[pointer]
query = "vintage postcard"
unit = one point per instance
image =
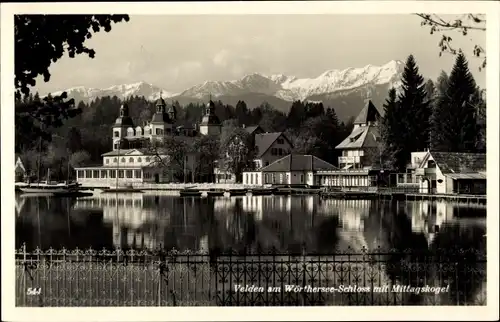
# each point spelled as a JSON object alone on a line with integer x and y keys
{"x": 249, "y": 161}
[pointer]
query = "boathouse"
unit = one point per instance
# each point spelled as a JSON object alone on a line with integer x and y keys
{"x": 293, "y": 169}
{"x": 452, "y": 173}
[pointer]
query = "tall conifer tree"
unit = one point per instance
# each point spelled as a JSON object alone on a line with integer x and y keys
{"x": 415, "y": 110}
{"x": 454, "y": 119}
{"x": 391, "y": 128}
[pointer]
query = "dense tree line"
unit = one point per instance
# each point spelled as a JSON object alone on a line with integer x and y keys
{"x": 83, "y": 138}
{"x": 448, "y": 116}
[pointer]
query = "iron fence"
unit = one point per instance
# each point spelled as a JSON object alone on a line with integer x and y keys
{"x": 161, "y": 278}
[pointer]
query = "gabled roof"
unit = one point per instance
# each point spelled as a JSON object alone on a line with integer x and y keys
{"x": 361, "y": 137}
{"x": 253, "y": 128}
{"x": 369, "y": 113}
{"x": 298, "y": 162}
{"x": 454, "y": 162}
{"x": 263, "y": 141}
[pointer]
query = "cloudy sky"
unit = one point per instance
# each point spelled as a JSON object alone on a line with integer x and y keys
{"x": 175, "y": 52}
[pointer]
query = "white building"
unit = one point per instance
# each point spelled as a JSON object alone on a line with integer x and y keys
{"x": 452, "y": 173}
{"x": 132, "y": 160}
{"x": 293, "y": 169}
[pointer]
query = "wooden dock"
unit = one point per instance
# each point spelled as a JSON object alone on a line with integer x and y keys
{"x": 397, "y": 195}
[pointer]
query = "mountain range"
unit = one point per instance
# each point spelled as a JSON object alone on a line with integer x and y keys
{"x": 344, "y": 90}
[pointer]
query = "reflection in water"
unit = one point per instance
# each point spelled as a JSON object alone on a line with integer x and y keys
{"x": 261, "y": 223}
{"x": 287, "y": 223}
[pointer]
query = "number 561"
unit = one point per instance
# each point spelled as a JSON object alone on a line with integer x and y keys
{"x": 34, "y": 291}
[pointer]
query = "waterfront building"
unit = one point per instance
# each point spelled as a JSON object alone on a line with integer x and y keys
{"x": 270, "y": 146}
{"x": 360, "y": 159}
{"x": 291, "y": 169}
{"x": 134, "y": 159}
{"x": 452, "y": 173}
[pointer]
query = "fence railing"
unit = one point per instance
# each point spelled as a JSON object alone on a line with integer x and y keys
{"x": 160, "y": 278}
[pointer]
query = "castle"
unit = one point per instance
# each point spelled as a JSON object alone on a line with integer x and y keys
{"x": 126, "y": 136}
{"x": 131, "y": 161}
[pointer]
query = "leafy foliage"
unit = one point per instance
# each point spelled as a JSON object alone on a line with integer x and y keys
{"x": 462, "y": 25}
{"x": 41, "y": 40}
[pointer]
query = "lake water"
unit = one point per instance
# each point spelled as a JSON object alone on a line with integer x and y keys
{"x": 307, "y": 224}
{"x": 287, "y": 223}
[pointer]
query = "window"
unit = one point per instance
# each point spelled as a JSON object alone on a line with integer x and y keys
{"x": 122, "y": 160}
{"x": 104, "y": 174}
{"x": 280, "y": 151}
{"x": 117, "y": 134}
{"x": 112, "y": 174}
{"x": 139, "y": 159}
{"x": 131, "y": 160}
{"x": 96, "y": 174}
{"x": 246, "y": 176}
{"x": 147, "y": 175}
{"x": 281, "y": 141}
{"x": 107, "y": 161}
{"x": 251, "y": 178}
{"x": 115, "y": 160}
{"x": 81, "y": 174}
{"x": 159, "y": 131}
{"x": 116, "y": 146}
{"x": 129, "y": 174}
{"x": 148, "y": 159}
{"x": 138, "y": 174}
{"x": 120, "y": 173}
{"x": 301, "y": 178}
{"x": 273, "y": 151}
{"x": 267, "y": 163}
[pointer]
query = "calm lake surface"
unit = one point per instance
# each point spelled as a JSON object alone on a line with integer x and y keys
{"x": 287, "y": 223}
{"x": 154, "y": 220}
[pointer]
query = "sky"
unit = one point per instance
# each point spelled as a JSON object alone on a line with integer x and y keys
{"x": 176, "y": 52}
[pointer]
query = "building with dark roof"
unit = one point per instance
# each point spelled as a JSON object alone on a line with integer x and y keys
{"x": 269, "y": 147}
{"x": 292, "y": 169}
{"x": 360, "y": 148}
{"x": 452, "y": 173}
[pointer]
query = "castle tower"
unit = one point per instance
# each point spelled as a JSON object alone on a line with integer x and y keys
{"x": 123, "y": 122}
{"x": 172, "y": 112}
{"x": 161, "y": 124}
{"x": 210, "y": 123}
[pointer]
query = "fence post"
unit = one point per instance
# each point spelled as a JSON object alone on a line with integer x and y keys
{"x": 25, "y": 268}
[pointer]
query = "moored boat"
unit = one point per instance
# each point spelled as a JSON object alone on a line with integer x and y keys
{"x": 49, "y": 188}
{"x": 215, "y": 192}
{"x": 190, "y": 193}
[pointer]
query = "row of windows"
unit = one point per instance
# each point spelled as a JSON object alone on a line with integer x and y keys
{"x": 103, "y": 174}
{"x": 138, "y": 132}
{"x": 279, "y": 152}
{"x": 353, "y": 153}
{"x": 130, "y": 160}
{"x": 345, "y": 181}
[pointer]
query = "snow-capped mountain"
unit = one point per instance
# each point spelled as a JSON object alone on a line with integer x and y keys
{"x": 285, "y": 87}
{"x": 149, "y": 92}
{"x": 291, "y": 88}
